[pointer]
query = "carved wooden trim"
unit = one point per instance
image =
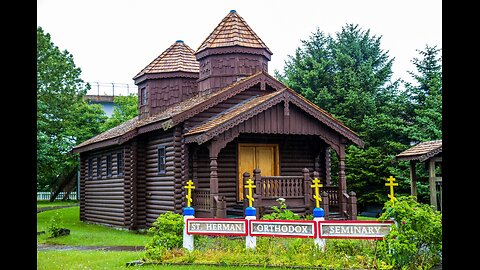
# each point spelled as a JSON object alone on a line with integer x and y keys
{"x": 327, "y": 120}
{"x": 236, "y": 120}
{"x": 231, "y": 50}
{"x": 162, "y": 75}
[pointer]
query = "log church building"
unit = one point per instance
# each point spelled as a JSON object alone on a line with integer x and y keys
{"x": 217, "y": 117}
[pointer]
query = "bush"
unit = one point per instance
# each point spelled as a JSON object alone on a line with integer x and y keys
{"x": 415, "y": 241}
{"x": 54, "y": 230}
{"x": 281, "y": 213}
{"x": 167, "y": 233}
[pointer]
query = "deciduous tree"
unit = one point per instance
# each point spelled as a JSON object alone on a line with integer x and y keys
{"x": 64, "y": 119}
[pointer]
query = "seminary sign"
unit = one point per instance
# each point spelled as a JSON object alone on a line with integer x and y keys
{"x": 366, "y": 229}
{"x": 217, "y": 226}
{"x": 283, "y": 228}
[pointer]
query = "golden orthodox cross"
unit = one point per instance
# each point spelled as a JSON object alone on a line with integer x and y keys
{"x": 189, "y": 187}
{"x": 316, "y": 185}
{"x": 250, "y": 186}
{"x": 391, "y": 185}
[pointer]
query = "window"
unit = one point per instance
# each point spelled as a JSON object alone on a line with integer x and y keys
{"x": 143, "y": 96}
{"x": 120, "y": 163}
{"x": 109, "y": 165}
{"x": 99, "y": 167}
{"x": 161, "y": 159}
{"x": 90, "y": 168}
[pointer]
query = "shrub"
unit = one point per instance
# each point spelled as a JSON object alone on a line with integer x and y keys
{"x": 167, "y": 233}
{"x": 415, "y": 241}
{"x": 281, "y": 213}
{"x": 54, "y": 230}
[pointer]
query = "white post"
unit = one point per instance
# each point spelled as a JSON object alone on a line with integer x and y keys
{"x": 250, "y": 241}
{"x": 188, "y": 212}
{"x": 318, "y": 215}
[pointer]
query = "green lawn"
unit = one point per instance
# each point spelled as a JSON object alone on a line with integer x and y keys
{"x": 41, "y": 204}
{"x": 83, "y": 234}
{"x": 74, "y": 259}
{"x": 99, "y": 235}
{"x": 365, "y": 218}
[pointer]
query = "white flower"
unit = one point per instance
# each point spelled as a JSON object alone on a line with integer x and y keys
{"x": 281, "y": 200}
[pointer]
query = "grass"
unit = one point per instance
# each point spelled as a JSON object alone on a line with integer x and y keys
{"x": 41, "y": 204}
{"x": 84, "y": 234}
{"x": 72, "y": 260}
{"x": 99, "y": 235}
{"x": 365, "y": 218}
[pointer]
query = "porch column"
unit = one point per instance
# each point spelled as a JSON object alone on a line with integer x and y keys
{"x": 213, "y": 184}
{"x": 328, "y": 174}
{"x": 413, "y": 178}
{"x": 431, "y": 178}
{"x": 218, "y": 203}
{"x": 342, "y": 179}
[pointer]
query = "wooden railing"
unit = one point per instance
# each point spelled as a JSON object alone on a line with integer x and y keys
{"x": 296, "y": 189}
{"x": 332, "y": 192}
{"x": 282, "y": 186}
{"x": 201, "y": 198}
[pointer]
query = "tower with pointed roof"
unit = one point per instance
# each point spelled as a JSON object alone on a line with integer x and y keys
{"x": 169, "y": 79}
{"x": 231, "y": 52}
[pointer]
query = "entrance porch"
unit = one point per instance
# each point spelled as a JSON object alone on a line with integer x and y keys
{"x": 282, "y": 166}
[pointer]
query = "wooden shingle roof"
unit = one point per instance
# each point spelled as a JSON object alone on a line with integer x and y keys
{"x": 421, "y": 151}
{"x": 113, "y": 133}
{"x": 179, "y": 112}
{"x": 178, "y": 57}
{"x": 232, "y": 31}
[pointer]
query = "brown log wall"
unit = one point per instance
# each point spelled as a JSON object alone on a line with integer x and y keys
{"x": 103, "y": 197}
{"x": 159, "y": 188}
{"x": 141, "y": 185}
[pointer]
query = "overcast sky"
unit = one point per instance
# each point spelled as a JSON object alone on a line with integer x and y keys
{"x": 112, "y": 40}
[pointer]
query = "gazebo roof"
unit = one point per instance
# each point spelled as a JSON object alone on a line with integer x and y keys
{"x": 421, "y": 151}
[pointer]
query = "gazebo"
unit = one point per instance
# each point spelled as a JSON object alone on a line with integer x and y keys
{"x": 431, "y": 153}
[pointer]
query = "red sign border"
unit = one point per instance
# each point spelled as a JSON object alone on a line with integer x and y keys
{"x": 219, "y": 219}
{"x": 349, "y": 222}
{"x": 283, "y": 221}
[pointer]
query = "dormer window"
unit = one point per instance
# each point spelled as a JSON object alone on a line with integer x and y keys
{"x": 143, "y": 96}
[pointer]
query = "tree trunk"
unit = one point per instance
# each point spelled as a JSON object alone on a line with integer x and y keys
{"x": 64, "y": 180}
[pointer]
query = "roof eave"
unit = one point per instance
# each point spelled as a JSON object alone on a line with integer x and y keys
{"x": 97, "y": 145}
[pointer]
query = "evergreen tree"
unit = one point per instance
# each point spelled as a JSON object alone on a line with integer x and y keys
{"x": 349, "y": 75}
{"x": 425, "y": 112}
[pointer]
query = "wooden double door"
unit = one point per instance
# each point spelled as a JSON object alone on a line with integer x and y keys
{"x": 251, "y": 156}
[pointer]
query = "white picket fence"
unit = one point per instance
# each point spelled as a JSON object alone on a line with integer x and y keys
{"x": 42, "y": 196}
